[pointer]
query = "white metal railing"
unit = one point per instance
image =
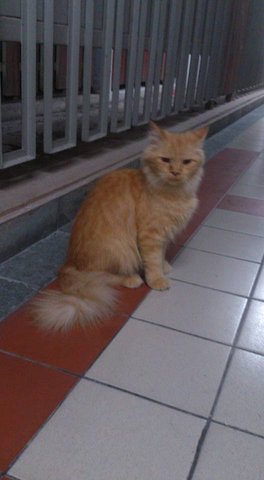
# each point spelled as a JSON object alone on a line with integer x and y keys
{"x": 151, "y": 58}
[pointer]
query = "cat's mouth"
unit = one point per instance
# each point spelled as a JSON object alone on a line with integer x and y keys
{"x": 175, "y": 177}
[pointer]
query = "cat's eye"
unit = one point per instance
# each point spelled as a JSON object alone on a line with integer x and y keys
{"x": 165, "y": 159}
{"x": 187, "y": 161}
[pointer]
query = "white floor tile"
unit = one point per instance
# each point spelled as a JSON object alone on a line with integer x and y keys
{"x": 249, "y": 191}
{"x": 251, "y": 179}
{"x": 163, "y": 365}
{"x": 252, "y": 334}
{"x": 233, "y": 244}
{"x": 259, "y": 289}
{"x": 236, "y": 222}
{"x": 210, "y": 270}
{"x": 230, "y": 455}
{"x": 102, "y": 434}
{"x": 241, "y": 401}
{"x": 246, "y": 144}
{"x": 193, "y": 309}
{"x": 258, "y": 166}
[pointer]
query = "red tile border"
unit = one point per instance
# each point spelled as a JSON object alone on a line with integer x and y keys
{"x": 29, "y": 394}
{"x": 239, "y": 204}
{"x": 75, "y": 351}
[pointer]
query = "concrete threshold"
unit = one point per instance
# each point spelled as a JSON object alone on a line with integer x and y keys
{"x": 39, "y": 197}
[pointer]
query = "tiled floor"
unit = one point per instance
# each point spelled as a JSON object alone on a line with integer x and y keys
{"x": 172, "y": 386}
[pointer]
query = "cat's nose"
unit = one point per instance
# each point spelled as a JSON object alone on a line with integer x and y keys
{"x": 176, "y": 174}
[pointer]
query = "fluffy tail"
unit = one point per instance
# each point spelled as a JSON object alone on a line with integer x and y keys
{"x": 85, "y": 298}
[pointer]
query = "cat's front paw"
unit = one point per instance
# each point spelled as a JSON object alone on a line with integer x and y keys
{"x": 167, "y": 268}
{"x": 158, "y": 283}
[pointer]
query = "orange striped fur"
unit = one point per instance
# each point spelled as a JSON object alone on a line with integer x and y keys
{"x": 121, "y": 232}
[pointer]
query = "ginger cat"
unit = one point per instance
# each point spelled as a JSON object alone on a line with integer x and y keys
{"x": 123, "y": 228}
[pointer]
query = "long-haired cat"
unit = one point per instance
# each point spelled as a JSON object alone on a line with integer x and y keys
{"x": 122, "y": 230}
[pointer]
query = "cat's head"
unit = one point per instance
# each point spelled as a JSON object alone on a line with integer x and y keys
{"x": 173, "y": 158}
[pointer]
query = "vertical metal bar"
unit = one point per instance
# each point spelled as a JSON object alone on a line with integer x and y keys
{"x": 220, "y": 59}
{"x": 109, "y": 14}
{"x": 87, "y": 68}
{"x": 205, "y": 52}
{"x": 73, "y": 71}
{"x": 74, "y": 9}
{"x": 159, "y": 58}
{"x": 217, "y": 32}
{"x": 48, "y": 73}
{"x": 235, "y": 45}
{"x": 151, "y": 62}
{"x": 130, "y": 64}
{"x": 175, "y": 14}
{"x": 196, "y": 48}
{"x": 28, "y": 66}
{"x": 119, "y": 24}
{"x": 1, "y": 144}
{"x": 132, "y": 52}
{"x": 28, "y": 87}
{"x": 140, "y": 58}
{"x": 184, "y": 52}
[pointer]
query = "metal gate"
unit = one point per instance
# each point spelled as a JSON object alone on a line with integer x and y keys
{"x": 78, "y": 69}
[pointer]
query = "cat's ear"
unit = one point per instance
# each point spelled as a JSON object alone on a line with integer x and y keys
{"x": 200, "y": 134}
{"x": 156, "y": 134}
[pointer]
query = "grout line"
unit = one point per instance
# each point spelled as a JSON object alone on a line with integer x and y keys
{"x": 248, "y": 350}
{"x": 210, "y": 288}
{"x": 198, "y": 450}
{"x": 177, "y": 330}
{"x": 234, "y": 231}
{"x": 39, "y": 363}
{"x": 144, "y": 397}
{"x": 172, "y": 407}
{"x": 20, "y": 282}
{"x": 222, "y": 254}
{"x": 226, "y": 292}
{"x": 212, "y": 340}
{"x": 237, "y": 429}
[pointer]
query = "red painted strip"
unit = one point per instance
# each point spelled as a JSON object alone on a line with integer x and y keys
{"x": 236, "y": 203}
